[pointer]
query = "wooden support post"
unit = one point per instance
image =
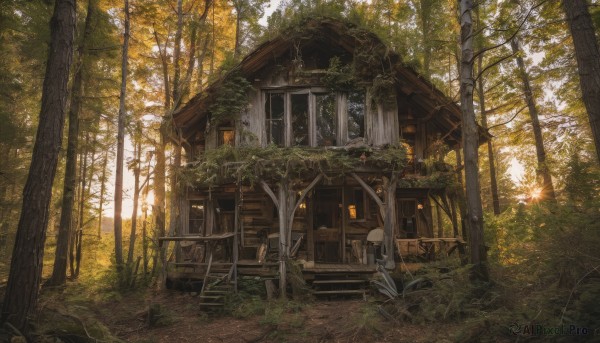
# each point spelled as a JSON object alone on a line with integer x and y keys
{"x": 389, "y": 220}
{"x": 310, "y": 230}
{"x": 282, "y": 238}
{"x": 343, "y": 240}
{"x": 235, "y": 250}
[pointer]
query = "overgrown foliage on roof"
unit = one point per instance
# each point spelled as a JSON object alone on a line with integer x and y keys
{"x": 231, "y": 100}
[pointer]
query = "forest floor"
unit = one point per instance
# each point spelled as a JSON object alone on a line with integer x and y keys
{"x": 323, "y": 321}
{"x": 72, "y": 315}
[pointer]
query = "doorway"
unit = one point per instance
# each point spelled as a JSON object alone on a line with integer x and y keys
{"x": 327, "y": 225}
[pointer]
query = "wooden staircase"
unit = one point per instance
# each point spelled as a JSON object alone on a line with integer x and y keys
{"x": 214, "y": 292}
{"x": 340, "y": 285}
{"x": 218, "y": 282}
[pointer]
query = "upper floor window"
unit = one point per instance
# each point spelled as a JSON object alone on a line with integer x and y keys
{"x": 313, "y": 117}
{"x": 275, "y": 110}
{"x": 356, "y": 115}
{"x": 300, "y": 119}
{"x": 326, "y": 120}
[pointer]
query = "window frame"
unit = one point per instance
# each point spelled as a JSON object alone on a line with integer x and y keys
{"x": 269, "y": 122}
{"x": 340, "y": 103}
{"x": 220, "y": 138}
{"x": 351, "y": 200}
{"x": 189, "y": 219}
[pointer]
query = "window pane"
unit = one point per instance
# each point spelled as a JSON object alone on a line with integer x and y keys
{"x": 326, "y": 119}
{"x": 300, "y": 119}
{"x": 356, "y": 115}
{"x": 274, "y": 108}
{"x": 226, "y": 137}
{"x": 359, "y": 200}
{"x": 356, "y": 204}
{"x": 196, "y": 223}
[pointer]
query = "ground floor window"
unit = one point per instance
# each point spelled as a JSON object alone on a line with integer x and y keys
{"x": 196, "y": 217}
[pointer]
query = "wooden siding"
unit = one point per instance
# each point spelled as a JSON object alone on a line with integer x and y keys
{"x": 381, "y": 122}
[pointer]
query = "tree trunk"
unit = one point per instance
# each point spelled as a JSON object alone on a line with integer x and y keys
{"x": 238, "y": 19}
{"x": 78, "y": 234}
{"x": 144, "y": 231}
{"x": 201, "y": 63}
{"x": 460, "y": 196}
{"x": 194, "y": 41}
{"x": 137, "y": 152}
{"x": 588, "y": 61}
{"x": 102, "y": 190}
{"x": 59, "y": 271}
{"x": 542, "y": 170}
{"x": 174, "y": 218}
{"x": 158, "y": 210}
{"x": 26, "y": 265}
{"x": 425, "y": 21}
{"x": 484, "y": 123}
{"x": 470, "y": 140}
{"x": 176, "y": 56}
{"x": 120, "y": 143}
{"x": 177, "y": 87}
{"x": 212, "y": 45}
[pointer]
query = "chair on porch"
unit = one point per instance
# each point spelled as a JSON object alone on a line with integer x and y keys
{"x": 374, "y": 241}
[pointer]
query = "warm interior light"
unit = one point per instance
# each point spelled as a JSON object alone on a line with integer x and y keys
{"x": 301, "y": 209}
{"x": 228, "y": 137}
{"x": 420, "y": 206}
{"x": 352, "y": 211}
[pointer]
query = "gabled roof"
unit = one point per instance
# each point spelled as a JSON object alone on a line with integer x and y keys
{"x": 343, "y": 36}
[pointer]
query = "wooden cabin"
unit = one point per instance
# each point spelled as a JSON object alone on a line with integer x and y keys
{"x": 320, "y": 147}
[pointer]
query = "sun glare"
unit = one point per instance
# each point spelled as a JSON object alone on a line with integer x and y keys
{"x": 536, "y": 193}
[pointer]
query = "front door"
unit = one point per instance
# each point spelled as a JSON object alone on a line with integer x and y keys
{"x": 326, "y": 225}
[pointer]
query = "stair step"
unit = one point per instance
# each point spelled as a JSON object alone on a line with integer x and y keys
{"x": 211, "y": 297}
{"x": 211, "y": 304}
{"x": 343, "y": 291}
{"x": 215, "y": 291}
{"x": 220, "y": 286}
{"x": 322, "y": 282}
{"x": 217, "y": 275}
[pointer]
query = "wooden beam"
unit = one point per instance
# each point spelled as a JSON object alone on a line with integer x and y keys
{"x": 270, "y": 193}
{"x": 302, "y": 196}
{"x": 371, "y": 192}
{"x": 368, "y": 188}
